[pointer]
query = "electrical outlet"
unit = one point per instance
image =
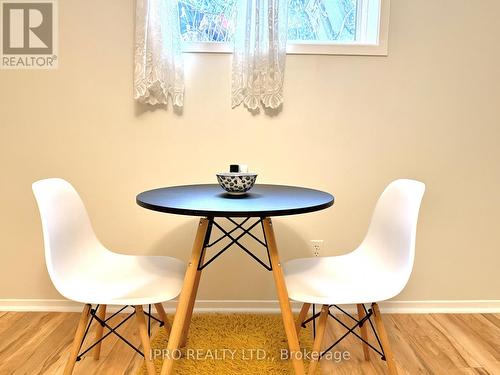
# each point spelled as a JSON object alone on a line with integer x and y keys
{"x": 316, "y": 246}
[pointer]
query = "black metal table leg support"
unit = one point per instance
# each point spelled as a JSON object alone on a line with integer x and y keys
{"x": 234, "y": 240}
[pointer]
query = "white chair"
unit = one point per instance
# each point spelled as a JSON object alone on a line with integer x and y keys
{"x": 377, "y": 270}
{"x": 83, "y": 270}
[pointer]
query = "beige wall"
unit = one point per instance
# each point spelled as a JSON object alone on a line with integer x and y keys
{"x": 430, "y": 111}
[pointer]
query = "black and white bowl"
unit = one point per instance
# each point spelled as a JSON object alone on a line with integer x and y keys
{"x": 236, "y": 183}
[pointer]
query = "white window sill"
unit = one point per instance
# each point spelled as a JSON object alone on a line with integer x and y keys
{"x": 299, "y": 48}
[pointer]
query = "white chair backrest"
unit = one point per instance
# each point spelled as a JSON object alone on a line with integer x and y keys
{"x": 69, "y": 240}
{"x": 390, "y": 240}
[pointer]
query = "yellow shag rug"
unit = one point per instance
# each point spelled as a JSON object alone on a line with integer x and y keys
{"x": 240, "y": 344}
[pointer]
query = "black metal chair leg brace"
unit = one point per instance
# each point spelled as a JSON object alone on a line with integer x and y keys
{"x": 350, "y": 330}
{"x": 113, "y": 330}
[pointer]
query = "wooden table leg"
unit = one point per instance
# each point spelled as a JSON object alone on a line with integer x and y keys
{"x": 184, "y": 300}
{"x": 286, "y": 310}
{"x": 192, "y": 301}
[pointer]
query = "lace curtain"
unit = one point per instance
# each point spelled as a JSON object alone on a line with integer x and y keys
{"x": 158, "y": 58}
{"x": 259, "y": 53}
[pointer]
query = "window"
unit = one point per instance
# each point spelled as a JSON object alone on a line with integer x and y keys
{"x": 206, "y": 20}
{"x": 314, "y": 26}
{"x": 322, "y": 21}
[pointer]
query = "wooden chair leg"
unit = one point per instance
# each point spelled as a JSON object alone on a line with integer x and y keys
{"x": 364, "y": 331}
{"x": 146, "y": 344}
{"x": 389, "y": 356}
{"x": 101, "y": 314}
{"x": 80, "y": 332}
{"x": 320, "y": 333}
{"x": 302, "y": 316}
{"x": 163, "y": 317}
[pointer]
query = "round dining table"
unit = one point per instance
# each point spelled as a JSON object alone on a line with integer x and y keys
{"x": 244, "y": 213}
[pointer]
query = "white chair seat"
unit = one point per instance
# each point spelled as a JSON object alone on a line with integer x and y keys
{"x": 333, "y": 281}
{"x": 118, "y": 279}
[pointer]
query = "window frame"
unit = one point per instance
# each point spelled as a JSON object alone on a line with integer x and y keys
{"x": 378, "y": 46}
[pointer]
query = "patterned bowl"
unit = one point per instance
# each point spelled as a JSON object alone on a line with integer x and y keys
{"x": 236, "y": 183}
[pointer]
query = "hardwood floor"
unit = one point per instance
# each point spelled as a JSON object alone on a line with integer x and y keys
{"x": 428, "y": 344}
{"x": 39, "y": 343}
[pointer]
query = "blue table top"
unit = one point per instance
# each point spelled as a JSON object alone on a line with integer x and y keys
{"x": 210, "y": 200}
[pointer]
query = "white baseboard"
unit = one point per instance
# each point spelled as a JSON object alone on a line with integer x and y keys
{"x": 268, "y": 306}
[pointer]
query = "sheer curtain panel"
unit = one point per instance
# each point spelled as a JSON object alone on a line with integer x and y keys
{"x": 159, "y": 68}
{"x": 259, "y": 53}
